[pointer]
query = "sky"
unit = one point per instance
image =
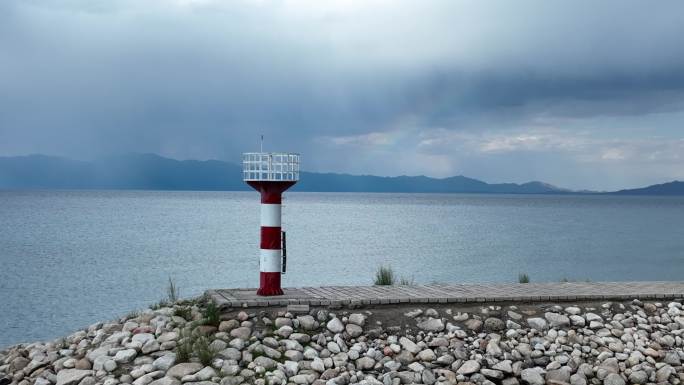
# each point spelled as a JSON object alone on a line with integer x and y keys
{"x": 579, "y": 94}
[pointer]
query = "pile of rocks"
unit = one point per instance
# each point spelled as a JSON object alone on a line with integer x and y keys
{"x": 611, "y": 343}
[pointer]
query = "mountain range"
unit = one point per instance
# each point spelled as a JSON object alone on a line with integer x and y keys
{"x": 153, "y": 172}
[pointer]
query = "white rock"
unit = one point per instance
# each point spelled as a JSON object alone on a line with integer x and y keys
{"x": 613, "y": 379}
{"x": 126, "y": 355}
{"x": 365, "y": 363}
{"x": 469, "y": 367}
{"x": 427, "y": 355}
{"x": 537, "y": 323}
{"x": 532, "y": 376}
{"x": 353, "y": 330}
{"x": 42, "y": 381}
{"x": 333, "y": 347}
{"x": 166, "y": 381}
{"x": 307, "y": 322}
{"x": 318, "y": 365}
{"x": 335, "y": 325}
{"x": 265, "y": 362}
{"x": 577, "y": 320}
{"x": 357, "y": 319}
{"x": 72, "y": 376}
{"x": 183, "y": 369}
{"x": 432, "y": 325}
{"x": 142, "y": 338}
{"x": 573, "y": 310}
{"x": 284, "y": 331}
{"x": 409, "y": 345}
{"x": 165, "y": 362}
{"x": 557, "y": 320}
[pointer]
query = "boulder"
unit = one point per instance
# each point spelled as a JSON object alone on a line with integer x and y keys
{"x": 469, "y": 367}
{"x": 557, "y": 320}
{"x": 72, "y": 376}
{"x": 180, "y": 370}
{"x": 335, "y": 325}
{"x": 537, "y": 323}
{"x": 432, "y": 325}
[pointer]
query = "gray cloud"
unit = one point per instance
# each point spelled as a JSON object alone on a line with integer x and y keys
{"x": 350, "y": 83}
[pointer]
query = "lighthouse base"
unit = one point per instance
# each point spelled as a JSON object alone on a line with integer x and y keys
{"x": 269, "y": 284}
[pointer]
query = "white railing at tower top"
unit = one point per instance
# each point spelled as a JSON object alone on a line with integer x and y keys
{"x": 270, "y": 166}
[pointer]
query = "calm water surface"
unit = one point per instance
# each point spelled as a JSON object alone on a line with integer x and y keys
{"x": 70, "y": 258}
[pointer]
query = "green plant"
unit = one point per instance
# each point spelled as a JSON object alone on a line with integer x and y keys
{"x": 407, "y": 281}
{"x": 565, "y": 280}
{"x": 523, "y": 278}
{"x": 172, "y": 292}
{"x": 184, "y": 346}
{"x": 184, "y": 312}
{"x": 203, "y": 350}
{"x": 212, "y": 315}
{"x": 384, "y": 276}
{"x": 132, "y": 314}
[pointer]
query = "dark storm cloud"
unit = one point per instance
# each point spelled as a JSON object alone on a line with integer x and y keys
{"x": 202, "y": 79}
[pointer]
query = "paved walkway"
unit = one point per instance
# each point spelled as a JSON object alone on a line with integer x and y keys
{"x": 376, "y": 295}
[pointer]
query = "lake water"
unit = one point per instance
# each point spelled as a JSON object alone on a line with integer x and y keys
{"x": 71, "y": 258}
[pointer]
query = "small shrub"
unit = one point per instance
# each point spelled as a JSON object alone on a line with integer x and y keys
{"x": 565, "y": 280}
{"x": 159, "y": 305}
{"x": 407, "y": 281}
{"x": 523, "y": 278}
{"x": 132, "y": 314}
{"x": 184, "y": 312}
{"x": 212, "y": 315}
{"x": 384, "y": 276}
{"x": 203, "y": 350}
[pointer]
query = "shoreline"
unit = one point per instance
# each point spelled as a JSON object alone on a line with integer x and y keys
{"x": 195, "y": 343}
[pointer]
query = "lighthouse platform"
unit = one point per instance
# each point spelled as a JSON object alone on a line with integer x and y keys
{"x": 358, "y": 296}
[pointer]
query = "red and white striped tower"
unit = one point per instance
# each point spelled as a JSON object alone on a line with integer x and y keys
{"x": 270, "y": 174}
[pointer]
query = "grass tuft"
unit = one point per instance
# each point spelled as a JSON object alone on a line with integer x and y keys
{"x": 184, "y": 346}
{"x": 523, "y": 278}
{"x": 212, "y": 315}
{"x": 172, "y": 292}
{"x": 172, "y": 296}
{"x": 132, "y": 314}
{"x": 384, "y": 276}
{"x": 203, "y": 350}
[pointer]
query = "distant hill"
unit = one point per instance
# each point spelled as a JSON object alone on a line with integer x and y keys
{"x": 672, "y": 188}
{"x": 153, "y": 172}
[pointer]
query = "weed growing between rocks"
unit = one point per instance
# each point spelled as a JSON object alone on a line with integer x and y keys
{"x": 523, "y": 278}
{"x": 183, "y": 312}
{"x": 172, "y": 296}
{"x": 172, "y": 292}
{"x": 184, "y": 346}
{"x": 212, "y": 315}
{"x": 203, "y": 351}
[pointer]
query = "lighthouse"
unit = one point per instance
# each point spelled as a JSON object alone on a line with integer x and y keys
{"x": 270, "y": 173}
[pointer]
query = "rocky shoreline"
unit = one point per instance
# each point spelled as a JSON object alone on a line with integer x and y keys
{"x": 610, "y": 343}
